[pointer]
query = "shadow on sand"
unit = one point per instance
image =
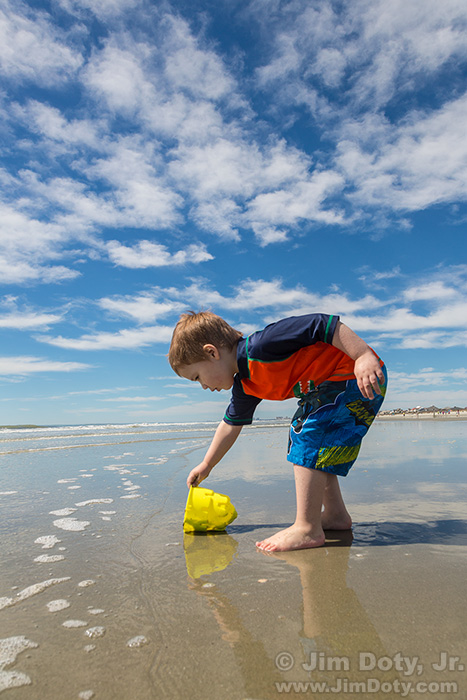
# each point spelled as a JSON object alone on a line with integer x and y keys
{"x": 447, "y": 532}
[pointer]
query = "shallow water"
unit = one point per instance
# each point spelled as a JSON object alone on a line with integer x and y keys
{"x": 153, "y": 613}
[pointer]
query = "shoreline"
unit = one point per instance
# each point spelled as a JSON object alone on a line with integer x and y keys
{"x": 423, "y": 416}
{"x": 257, "y": 423}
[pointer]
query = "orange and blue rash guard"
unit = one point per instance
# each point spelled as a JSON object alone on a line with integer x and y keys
{"x": 288, "y": 358}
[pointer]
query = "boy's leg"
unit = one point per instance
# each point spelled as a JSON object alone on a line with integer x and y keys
{"x": 306, "y": 531}
{"x": 335, "y": 515}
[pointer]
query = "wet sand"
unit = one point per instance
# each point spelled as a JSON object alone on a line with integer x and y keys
{"x": 371, "y": 614}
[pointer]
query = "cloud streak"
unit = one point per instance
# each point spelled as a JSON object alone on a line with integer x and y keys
{"x": 125, "y": 339}
{"x": 147, "y": 254}
{"x": 21, "y": 365}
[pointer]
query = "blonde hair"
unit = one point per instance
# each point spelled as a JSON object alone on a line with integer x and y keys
{"x": 193, "y": 331}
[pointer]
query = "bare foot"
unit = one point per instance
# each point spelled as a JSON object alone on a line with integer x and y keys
{"x": 292, "y": 537}
{"x": 336, "y": 522}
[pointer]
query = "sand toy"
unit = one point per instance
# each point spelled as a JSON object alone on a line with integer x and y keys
{"x": 206, "y": 510}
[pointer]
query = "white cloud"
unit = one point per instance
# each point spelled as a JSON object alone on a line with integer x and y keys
{"x": 124, "y": 339}
{"x": 411, "y": 166}
{"x": 401, "y": 381}
{"x": 303, "y": 201}
{"x": 330, "y": 65}
{"x": 222, "y": 167}
{"x": 133, "y": 399}
{"x": 134, "y": 195}
{"x": 104, "y": 9}
{"x": 136, "y": 191}
{"x": 269, "y": 234}
{"x": 26, "y": 245}
{"x": 20, "y": 271}
{"x": 51, "y": 123}
{"x": 376, "y": 279}
{"x": 430, "y": 291}
{"x": 434, "y": 339}
{"x": 377, "y": 46}
{"x": 31, "y": 48}
{"x": 22, "y": 234}
{"x": 404, "y": 319}
{"x": 26, "y": 318}
{"x": 116, "y": 75}
{"x": 26, "y": 321}
{"x": 271, "y": 296}
{"x": 273, "y": 185}
{"x": 147, "y": 254}
{"x": 188, "y": 67}
{"x": 220, "y": 216}
{"x": 113, "y": 390}
{"x": 76, "y": 210}
{"x": 23, "y": 365}
{"x": 143, "y": 308}
{"x": 404, "y": 40}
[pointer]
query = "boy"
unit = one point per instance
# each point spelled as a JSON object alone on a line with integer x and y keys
{"x": 339, "y": 381}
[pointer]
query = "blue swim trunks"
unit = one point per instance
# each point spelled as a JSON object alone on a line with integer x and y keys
{"x": 329, "y": 425}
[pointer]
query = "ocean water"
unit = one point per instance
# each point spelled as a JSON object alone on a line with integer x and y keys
{"x": 102, "y": 595}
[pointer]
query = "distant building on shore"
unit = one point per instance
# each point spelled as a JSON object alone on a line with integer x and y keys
{"x": 434, "y": 410}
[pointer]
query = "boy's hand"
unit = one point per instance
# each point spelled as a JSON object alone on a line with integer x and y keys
{"x": 198, "y": 474}
{"x": 368, "y": 374}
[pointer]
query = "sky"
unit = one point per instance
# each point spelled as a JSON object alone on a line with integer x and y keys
{"x": 257, "y": 158}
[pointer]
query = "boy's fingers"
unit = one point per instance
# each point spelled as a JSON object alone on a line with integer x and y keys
{"x": 366, "y": 388}
{"x": 192, "y": 479}
{"x": 373, "y": 384}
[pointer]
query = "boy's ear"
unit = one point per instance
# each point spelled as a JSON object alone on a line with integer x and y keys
{"x": 211, "y": 351}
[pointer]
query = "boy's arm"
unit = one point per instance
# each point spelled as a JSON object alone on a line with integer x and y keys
{"x": 367, "y": 369}
{"x": 222, "y": 441}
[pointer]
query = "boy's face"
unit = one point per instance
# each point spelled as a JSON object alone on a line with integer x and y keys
{"x": 214, "y": 373}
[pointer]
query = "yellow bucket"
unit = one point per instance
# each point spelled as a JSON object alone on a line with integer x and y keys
{"x": 206, "y": 510}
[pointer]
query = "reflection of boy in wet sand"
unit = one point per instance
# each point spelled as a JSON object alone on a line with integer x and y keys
{"x": 336, "y": 626}
{"x": 331, "y": 370}
{"x": 253, "y": 663}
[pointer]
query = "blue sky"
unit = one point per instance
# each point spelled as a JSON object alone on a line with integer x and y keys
{"x": 260, "y": 159}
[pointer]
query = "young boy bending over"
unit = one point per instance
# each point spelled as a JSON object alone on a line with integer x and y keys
{"x": 337, "y": 378}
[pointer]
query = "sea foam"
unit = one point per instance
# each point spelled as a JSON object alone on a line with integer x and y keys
{"x": 30, "y": 591}
{"x": 10, "y": 648}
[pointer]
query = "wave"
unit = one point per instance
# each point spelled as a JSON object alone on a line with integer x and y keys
{"x": 19, "y": 429}
{"x": 15, "y": 440}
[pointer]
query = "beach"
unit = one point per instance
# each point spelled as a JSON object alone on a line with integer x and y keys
{"x": 102, "y": 595}
{"x": 426, "y": 415}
